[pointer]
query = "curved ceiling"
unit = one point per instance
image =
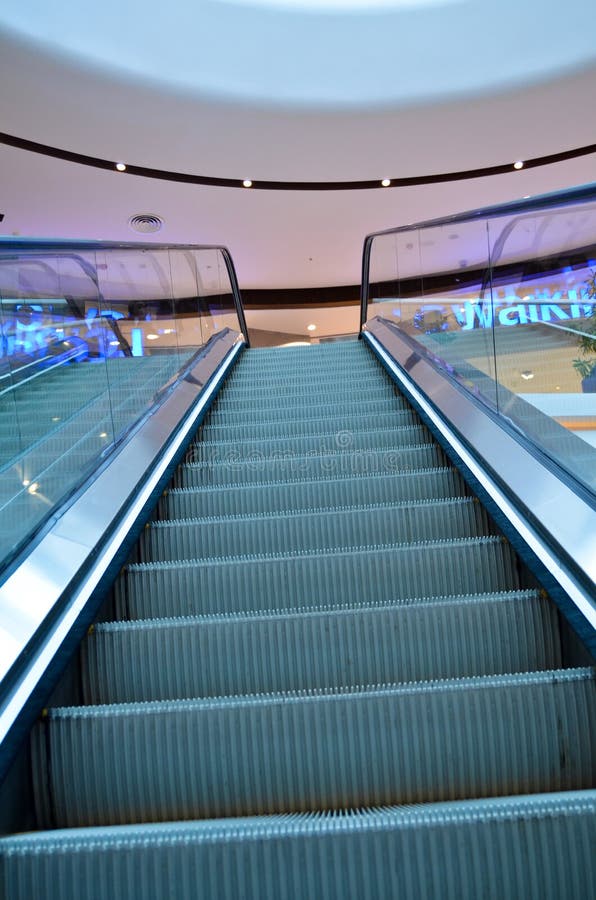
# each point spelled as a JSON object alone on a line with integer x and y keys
{"x": 330, "y": 56}
{"x": 263, "y": 90}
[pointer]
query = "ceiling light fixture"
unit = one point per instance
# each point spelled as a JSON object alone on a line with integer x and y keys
{"x": 120, "y": 167}
{"x": 247, "y": 183}
{"x": 518, "y": 165}
{"x": 311, "y": 327}
{"x": 187, "y": 178}
{"x": 146, "y": 223}
{"x": 386, "y": 182}
{"x": 152, "y": 337}
{"x": 527, "y": 376}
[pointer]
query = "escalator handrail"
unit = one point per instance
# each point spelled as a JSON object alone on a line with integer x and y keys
{"x": 570, "y": 197}
{"x": 549, "y": 521}
{"x": 71, "y": 249}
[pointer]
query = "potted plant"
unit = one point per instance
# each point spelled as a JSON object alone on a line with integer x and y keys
{"x": 585, "y": 364}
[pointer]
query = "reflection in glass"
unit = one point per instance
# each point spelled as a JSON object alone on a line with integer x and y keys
{"x": 46, "y": 415}
{"x": 505, "y": 303}
{"x": 89, "y": 341}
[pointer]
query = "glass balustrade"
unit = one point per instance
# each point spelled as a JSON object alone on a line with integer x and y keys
{"x": 504, "y": 301}
{"x": 91, "y": 336}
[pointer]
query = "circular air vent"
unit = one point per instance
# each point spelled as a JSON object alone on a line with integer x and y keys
{"x": 145, "y": 223}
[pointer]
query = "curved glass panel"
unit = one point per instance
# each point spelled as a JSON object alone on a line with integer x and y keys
{"x": 90, "y": 338}
{"x": 504, "y": 301}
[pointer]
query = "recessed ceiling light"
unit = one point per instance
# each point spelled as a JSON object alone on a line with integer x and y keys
{"x": 526, "y": 197}
{"x": 114, "y": 343}
{"x": 33, "y": 488}
{"x": 247, "y": 183}
{"x": 26, "y": 482}
{"x": 121, "y": 167}
{"x": 386, "y": 182}
{"x": 527, "y": 376}
{"x": 152, "y": 337}
{"x": 311, "y": 327}
{"x": 518, "y": 165}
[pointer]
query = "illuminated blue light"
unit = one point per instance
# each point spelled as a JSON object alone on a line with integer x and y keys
{"x": 481, "y": 315}
{"x": 136, "y": 341}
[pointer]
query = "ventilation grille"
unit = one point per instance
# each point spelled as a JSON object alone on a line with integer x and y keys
{"x": 145, "y": 223}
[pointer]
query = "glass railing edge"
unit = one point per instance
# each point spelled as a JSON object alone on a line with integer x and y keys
{"x": 73, "y": 556}
{"x": 555, "y": 519}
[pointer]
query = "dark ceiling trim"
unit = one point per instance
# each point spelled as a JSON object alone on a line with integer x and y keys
{"x": 294, "y": 298}
{"x": 164, "y": 175}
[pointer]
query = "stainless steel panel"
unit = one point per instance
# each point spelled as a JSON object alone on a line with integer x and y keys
{"x": 39, "y": 587}
{"x": 525, "y": 490}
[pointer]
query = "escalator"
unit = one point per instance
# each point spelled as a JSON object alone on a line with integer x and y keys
{"x": 323, "y": 672}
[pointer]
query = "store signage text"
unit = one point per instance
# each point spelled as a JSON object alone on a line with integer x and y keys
{"x": 481, "y": 315}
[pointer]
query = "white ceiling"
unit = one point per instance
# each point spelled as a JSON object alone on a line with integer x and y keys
{"x": 231, "y": 89}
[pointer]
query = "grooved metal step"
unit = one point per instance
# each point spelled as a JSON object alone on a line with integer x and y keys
{"x": 519, "y": 848}
{"x": 226, "y": 468}
{"x": 310, "y": 649}
{"x": 320, "y": 530}
{"x": 242, "y": 756}
{"x": 321, "y": 407}
{"x": 211, "y": 431}
{"x": 342, "y": 575}
{"x": 341, "y": 441}
{"x": 282, "y": 496}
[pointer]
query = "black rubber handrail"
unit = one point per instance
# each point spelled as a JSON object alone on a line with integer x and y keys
{"x": 568, "y": 197}
{"x": 71, "y": 249}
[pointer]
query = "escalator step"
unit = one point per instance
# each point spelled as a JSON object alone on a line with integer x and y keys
{"x": 250, "y": 498}
{"x": 213, "y": 431}
{"x": 358, "y": 370}
{"x": 346, "y": 575}
{"x": 316, "y": 409}
{"x": 422, "y": 742}
{"x": 167, "y": 659}
{"x": 519, "y": 848}
{"x": 301, "y": 394}
{"x": 222, "y": 470}
{"x": 350, "y": 527}
{"x": 342, "y": 441}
